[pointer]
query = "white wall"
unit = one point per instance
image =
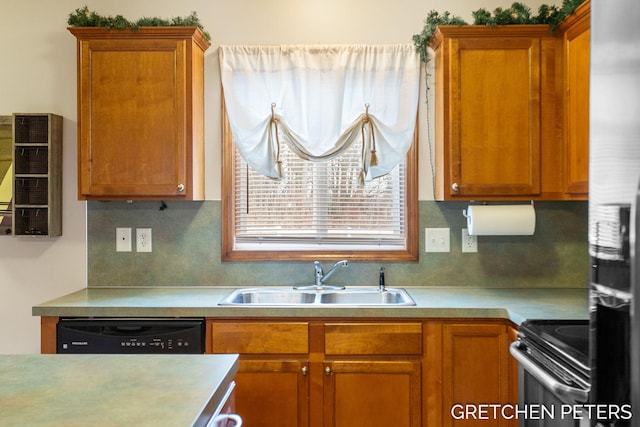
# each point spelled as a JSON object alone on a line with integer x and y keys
{"x": 38, "y": 74}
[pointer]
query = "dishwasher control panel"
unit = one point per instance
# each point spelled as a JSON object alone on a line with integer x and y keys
{"x": 130, "y": 336}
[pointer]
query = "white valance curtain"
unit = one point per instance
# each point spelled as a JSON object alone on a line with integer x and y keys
{"x": 319, "y": 100}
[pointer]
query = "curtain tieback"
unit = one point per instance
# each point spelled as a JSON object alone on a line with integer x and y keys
{"x": 366, "y": 120}
{"x": 373, "y": 159}
{"x": 366, "y": 123}
{"x": 273, "y": 127}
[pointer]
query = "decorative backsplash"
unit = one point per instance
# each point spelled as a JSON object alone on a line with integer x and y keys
{"x": 186, "y": 251}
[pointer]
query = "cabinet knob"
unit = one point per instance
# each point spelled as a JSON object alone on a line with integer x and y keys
{"x": 455, "y": 186}
{"x": 327, "y": 370}
{"x": 305, "y": 370}
{"x": 181, "y": 187}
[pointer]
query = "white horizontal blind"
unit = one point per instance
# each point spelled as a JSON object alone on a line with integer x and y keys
{"x": 319, "y": 206}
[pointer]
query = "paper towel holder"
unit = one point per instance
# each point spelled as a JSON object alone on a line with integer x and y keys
{"x": 501, "y": 219}
{"x": 464, "y": 211}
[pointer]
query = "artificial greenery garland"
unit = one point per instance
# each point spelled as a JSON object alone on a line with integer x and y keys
{"x": 83, "y": 17}
{"x": 518, "y": 13}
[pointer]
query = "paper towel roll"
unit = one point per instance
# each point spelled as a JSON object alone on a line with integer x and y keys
{"x": 501, "y": 220}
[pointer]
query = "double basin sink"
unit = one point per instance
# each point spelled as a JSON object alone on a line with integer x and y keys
{"x": 291, "y": 297}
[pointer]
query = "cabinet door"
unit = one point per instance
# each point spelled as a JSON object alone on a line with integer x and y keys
{"x": 372, "y": 393}
{"x": 495, "y": 146}
{"x": 273, "y": 376}
{"x": 475, "y": 370}
{"x": 488, "y": 110}
{"x": 132, "y": 133}
{"x": 273, "y": 392}
{"x": 577, "y": 60}
{"x": 372, "y": 374}
{"x": 133, "y": 118}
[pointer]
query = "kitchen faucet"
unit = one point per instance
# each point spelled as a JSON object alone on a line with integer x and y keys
{"x": 321, "y": 278}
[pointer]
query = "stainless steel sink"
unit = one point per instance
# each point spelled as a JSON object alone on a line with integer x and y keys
{"x": 388, "y": 297}
{"x": 262, "y": 296}
{"x": 289, "y": 297}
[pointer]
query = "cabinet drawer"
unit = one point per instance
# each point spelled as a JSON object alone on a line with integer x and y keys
{"x": 260, "y": 337}
{"x": 373, "y": 338}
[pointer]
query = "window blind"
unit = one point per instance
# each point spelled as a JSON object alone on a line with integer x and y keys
{"x": 319, "y": 205}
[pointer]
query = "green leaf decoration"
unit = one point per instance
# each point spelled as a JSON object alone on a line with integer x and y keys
{"x": 83, "y": 17}
{"x": 518, "y": 13}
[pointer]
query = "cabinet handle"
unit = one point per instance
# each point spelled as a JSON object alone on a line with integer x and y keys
{"x": 327, "y": 370}
{"x": 455, "y": 186}
{"x": 180, "y": 188}
{"x": 305, "y": 370}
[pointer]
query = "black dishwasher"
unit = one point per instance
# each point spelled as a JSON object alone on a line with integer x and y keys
{"x": 130, "y": 336}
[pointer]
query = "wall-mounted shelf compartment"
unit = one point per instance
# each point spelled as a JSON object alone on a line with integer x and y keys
{"x": 37, "y": 175}
{"x": 6, "y": 173}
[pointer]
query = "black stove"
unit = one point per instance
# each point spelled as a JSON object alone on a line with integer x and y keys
{"x": 553, "y": 363}
{"x": 564, "y": 340}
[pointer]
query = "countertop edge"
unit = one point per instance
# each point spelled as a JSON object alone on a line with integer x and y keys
{"x": 218, "y": 394}
{"x": 514, "y": 304}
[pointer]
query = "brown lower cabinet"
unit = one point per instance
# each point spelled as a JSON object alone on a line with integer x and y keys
{"x": 273, "y": 390}
{"x": 471, "y": 369}
{"x": 367, "y": 372}
{"x": 274, "y": 373}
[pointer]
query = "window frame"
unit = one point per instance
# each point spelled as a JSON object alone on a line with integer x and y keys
{"x": 230, "y": 253}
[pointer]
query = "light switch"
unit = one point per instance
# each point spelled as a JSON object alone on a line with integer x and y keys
{"x": 437, "y": 240}
{"x": 123, "y": 239}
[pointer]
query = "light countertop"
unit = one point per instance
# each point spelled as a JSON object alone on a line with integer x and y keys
{"x": 515, "y": 304}
{"x": 112, "y": 390}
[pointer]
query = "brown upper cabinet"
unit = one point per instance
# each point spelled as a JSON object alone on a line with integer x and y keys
{"x": 140, "y": 113}
{"x": 576, "y": 33}
{"x": 499, "y": 106}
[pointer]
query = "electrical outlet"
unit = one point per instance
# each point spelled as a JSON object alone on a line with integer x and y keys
{"x": 437, "y": 240}
{"x": 123, "y": 239}
{"x": 143, "y": 240}
{"x": 469, "y": 242}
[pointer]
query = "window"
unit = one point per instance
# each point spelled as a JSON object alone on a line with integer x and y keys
{"x": 319, "y": 210}
{"x": 319, "y": 152}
